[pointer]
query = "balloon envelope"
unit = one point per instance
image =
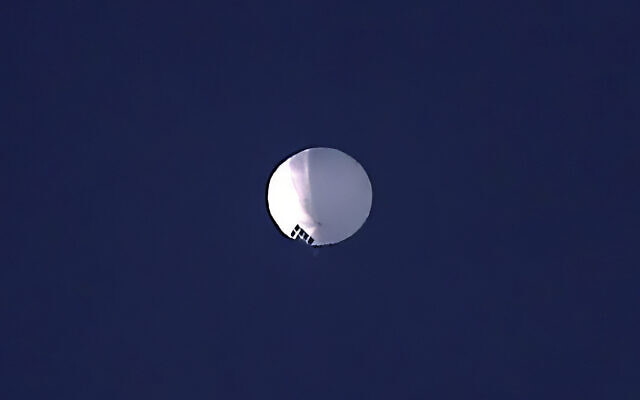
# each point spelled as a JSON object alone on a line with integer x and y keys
{"x": 320, "y": 195}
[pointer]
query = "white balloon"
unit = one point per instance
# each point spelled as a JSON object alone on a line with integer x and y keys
{"x": 320, "y": 195}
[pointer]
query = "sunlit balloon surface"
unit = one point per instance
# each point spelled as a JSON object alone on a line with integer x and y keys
{"x": 320, "y": 195}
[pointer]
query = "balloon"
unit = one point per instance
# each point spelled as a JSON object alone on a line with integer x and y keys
{"x": 320, "y": 195}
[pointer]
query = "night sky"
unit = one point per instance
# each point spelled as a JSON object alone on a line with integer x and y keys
{"x": 500, "y": 259}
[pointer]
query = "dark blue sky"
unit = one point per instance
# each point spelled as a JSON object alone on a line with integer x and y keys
{"x": 500, "y": 260}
